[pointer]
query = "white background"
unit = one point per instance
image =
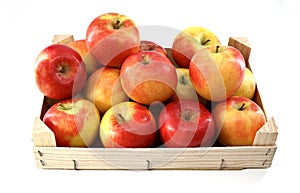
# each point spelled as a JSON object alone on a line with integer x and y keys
{"x": 27, "y": 26}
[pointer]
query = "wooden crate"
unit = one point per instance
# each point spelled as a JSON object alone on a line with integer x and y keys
{"x": 259, "y": 155}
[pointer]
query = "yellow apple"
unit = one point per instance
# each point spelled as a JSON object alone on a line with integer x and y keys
{"x": 247, "y": 89}
{"x": 184, "y": 88}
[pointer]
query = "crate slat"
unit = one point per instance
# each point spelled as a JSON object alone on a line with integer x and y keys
{"x": 155, "y": 158}
{"x": 62, "y": 39}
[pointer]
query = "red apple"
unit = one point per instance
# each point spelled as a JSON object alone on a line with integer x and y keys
{"x": 148, "y": 76}
{"x": 189, "y": 41}
{"x": 146, "y": 45}
{"x": 128, "y": 124}
{"x": 217, "y": 72}
{"x": 112, "y": 37}
{"x": 75, "y": 122}
{"x": 247, "y": 89}
{"x": 238, "y": 119}
{"x": 60, "y": 72}
{"x": 104, "y": 89}
{"x": 186, "y": 123}
{"x": 90, "y": 63}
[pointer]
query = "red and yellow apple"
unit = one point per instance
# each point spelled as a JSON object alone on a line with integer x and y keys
{"x": 146, "y": 45}
{"x": 247, "y": 89}
{"x": 128, "y": 125}
{"x": 237, "y": 120}
{"x": 148, "y": 76}
{"x": 74, "y": 122}
{"x": 104, "y": 89}
{"x": 111, "y": 37}
{"x": 189, "y": 41}
{"x": 90, "y": 63}
{"x": 186, "y": 123}
{"x": 60, "y": 72}
{"x": 217, "y": 72}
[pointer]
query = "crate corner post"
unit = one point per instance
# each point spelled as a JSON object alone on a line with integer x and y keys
{"x": 267, "y": 135}
{"x": 42, "y": 135}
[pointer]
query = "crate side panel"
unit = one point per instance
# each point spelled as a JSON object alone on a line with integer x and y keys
{"x": 155, "y": 158}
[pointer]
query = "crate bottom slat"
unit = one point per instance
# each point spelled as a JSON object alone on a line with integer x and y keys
{"x": 154, "y": 158}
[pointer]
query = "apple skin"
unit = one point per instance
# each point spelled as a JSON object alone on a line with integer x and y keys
{"x": 247, "y": 89}
{"x": 104, "y": 89}
{"x": 217, "y": 72}
{"x": 59, "y": 72}
{"x": 148, "y": 76}
{"x": 185, "y": 89}
{"x": 238, "y": 119}
{"x": 75, "y": 122}
{"x": 189, "y": 41}
{"x": 186, "y": 123}
{"x": 128, "y": 125}
{"x": 90, "y": 63}
{"x": 111, "y": 37}
{"x": 146, "y": 45}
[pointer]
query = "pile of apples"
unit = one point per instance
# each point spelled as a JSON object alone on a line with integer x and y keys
{"x": 133, "y": 93}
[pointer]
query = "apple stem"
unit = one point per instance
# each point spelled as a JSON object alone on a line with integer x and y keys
{"x": 120, "y": 118}
{"x": 206, "y": 42}
{"x": 217, "y": 48}
{"x": 65, "y": 107}
{"x": 145, "y": 59}
{"x": 183, "y": 80}
{"x": 117, "y": 24}
{"x": 187, "y": 115}
{"x": 242, "y": 107}
{"x": 61, "y": 69}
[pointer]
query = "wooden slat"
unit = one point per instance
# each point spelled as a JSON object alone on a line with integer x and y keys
{"x": 62, "y": 39}
{"x": 267, "y": 135}
{"x": 155, "y": 158}
{"x": 243, "y": 45}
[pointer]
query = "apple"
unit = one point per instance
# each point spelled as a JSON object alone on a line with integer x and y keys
{"x": 146, "y": 45}
{"x": 90, "y": 63}
{"x": 238, "y": 119}
{"x": 74, "y": 122}
{"x": 128, "y": 125}
{"x": 60, "y": 72}
{"x": 148, "y": 76}
{"x": 184, "y": 89}
{"x": 189, "y": 41}
{"x": 111, "y": 37}
{"x": 217, "y": 72}
{"x": 104, "y": 89}
{"x": 186, "y": 123}
{"x": 247, "y": 89}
